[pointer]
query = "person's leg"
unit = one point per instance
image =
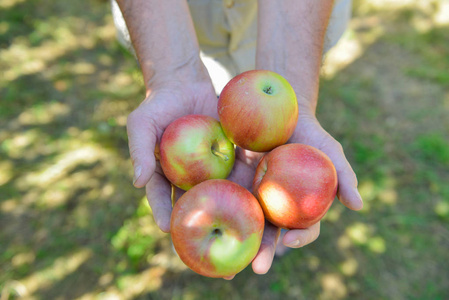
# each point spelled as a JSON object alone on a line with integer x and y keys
{"x": 213, "y": 33}
{"x": 338, "y": 23}
{"x": 122, "y": 31}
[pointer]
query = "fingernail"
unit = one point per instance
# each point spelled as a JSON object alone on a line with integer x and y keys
{"x": 137, "y": 173}
{"x": 293, "y": 244}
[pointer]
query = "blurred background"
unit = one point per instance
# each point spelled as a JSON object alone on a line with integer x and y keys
{"x": 73, "y": 227}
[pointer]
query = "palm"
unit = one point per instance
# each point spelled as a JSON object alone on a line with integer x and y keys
{"x": 166, "y": 105}
{"x": 310, "y": 132}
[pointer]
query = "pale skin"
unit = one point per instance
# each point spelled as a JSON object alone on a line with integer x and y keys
{"x": 290, "y": 42}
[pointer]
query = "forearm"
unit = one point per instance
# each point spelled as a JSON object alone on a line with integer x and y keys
{"x": 290, "y": 41}
{"x": 164, "y": 39}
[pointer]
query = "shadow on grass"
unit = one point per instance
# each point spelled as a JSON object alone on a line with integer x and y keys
{"x": 73, "y": 226}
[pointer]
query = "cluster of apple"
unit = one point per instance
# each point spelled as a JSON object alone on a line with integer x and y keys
{"x": 217, "y": 225}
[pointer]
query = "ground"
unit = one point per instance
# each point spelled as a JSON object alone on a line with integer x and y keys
{"x": 73, "y": 227}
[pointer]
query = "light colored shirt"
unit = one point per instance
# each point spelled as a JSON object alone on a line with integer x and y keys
{"x": 227, "y": 32}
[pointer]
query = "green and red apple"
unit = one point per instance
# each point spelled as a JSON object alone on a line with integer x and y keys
{"x": 295, "y": 185}
{"x": 217, "y": 228}
{"x": 193, "y": 149}
{"x": 258, "y": 110}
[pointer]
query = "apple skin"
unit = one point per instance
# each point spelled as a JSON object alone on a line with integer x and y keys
{"x": 295, "y": 185}
{"x": 217, "y": 228}
{"x": 193, "y": 149}
{"x": 258, "y": 110}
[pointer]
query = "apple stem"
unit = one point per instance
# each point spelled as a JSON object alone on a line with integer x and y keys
{"x": 268, "y": 90}
{"x": 220, "y": 155}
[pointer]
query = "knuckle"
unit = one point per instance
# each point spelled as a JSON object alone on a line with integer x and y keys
{"x": 336, "y": 145}
{"x": 133, "y": 117}
{"x": 133, "y": 152}
{"x": 314, "y": 233}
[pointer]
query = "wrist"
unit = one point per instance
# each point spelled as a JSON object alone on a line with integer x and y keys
{"x": 180, "y": 73}
{"x": 306, "y": 107}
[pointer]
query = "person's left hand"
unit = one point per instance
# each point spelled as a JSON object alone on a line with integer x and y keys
{"x": 310, "y": 132}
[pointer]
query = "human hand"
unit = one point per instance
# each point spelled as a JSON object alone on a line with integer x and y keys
{"x": 166, "y": 101}
{"x": 310, "y": 132}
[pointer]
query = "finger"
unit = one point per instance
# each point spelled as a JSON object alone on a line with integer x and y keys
{"x": 244, "y": 167}
{"x": 297, "y": 238}
{"x": 264, "y": 258}
{"x": 158, "y": 192}
{"x": 347, "y": 191}
{"x": 229, "y": 277}
{"x": 242, "y": 174}
{"x": 142, "y": 142}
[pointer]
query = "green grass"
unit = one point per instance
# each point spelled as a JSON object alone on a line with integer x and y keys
{"x": 72, "y": 225}
{"x": 433, "y": 148}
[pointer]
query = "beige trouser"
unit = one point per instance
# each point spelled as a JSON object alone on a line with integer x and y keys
{"x": 227, "y": 32}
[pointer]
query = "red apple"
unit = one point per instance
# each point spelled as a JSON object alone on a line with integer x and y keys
{"x": 193, "y": 149}
{"x": 258, "y": 110}
{"x": 295, "y": 185}
{"x": 217, "y": 228}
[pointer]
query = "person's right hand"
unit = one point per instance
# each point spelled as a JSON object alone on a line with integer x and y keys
{"x": 166, "y": 101}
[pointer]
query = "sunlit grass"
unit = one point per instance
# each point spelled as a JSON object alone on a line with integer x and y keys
{"x": 58, "y": 270}
{"x": 352, "y": 45}
{"x": 9, "y": 3}
{"x": 333, "y": 287}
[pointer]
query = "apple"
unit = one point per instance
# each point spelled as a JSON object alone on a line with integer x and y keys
{"x": 217, "y": 228}
{"x": 258, "y": 110}
{"x": 295, "y": 185}
{"x": 193, "y": 149}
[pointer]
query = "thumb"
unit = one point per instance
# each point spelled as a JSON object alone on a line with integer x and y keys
{"x": 264, "y": 258}
{"x": 142, "y": 137}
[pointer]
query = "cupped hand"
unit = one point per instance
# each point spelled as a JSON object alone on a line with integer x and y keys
{"x": 310, "y": 132}
{"x": 165, "y": 102}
